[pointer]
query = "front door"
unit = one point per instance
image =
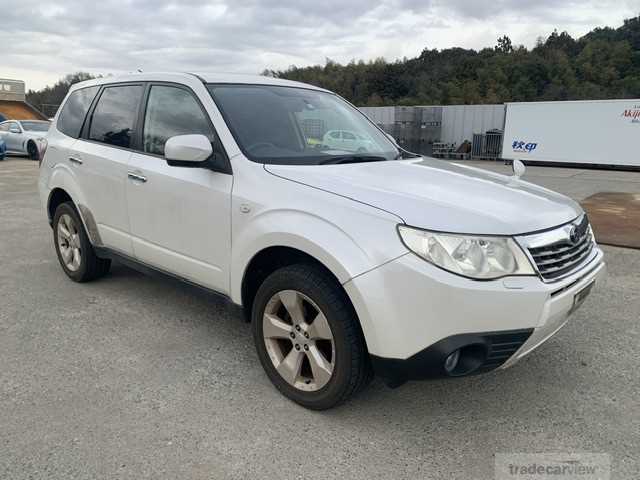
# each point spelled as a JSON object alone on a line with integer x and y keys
{"x": 349, "y": 141}
{"x": 13, "y": 137}
{"x": 180, "y": 216}
{"x": 4, "y": 132}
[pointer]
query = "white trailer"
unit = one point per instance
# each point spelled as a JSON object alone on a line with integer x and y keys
{"x": 599, "y": 132}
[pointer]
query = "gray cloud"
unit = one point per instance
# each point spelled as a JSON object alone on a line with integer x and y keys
{"x": 45, "y": 40}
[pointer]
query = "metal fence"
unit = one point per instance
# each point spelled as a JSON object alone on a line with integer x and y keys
{"x": 487, "y": 146}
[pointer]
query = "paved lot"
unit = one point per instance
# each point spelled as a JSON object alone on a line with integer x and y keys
{"x": 136, "y": 377}
{"x": 577, "y": 183}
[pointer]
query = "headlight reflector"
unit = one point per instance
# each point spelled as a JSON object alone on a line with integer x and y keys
{"x": 473, "y": 256}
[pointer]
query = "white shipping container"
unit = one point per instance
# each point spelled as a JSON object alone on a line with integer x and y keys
{"x": 460, "y": 122}
{"x": 380, "y": 115}
{"x": 605, "y": 132}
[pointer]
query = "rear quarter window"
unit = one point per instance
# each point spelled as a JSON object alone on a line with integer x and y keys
{"x": 75, "y": 110}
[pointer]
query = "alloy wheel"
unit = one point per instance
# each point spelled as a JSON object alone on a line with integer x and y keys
{"x": 299, "y": 340}
{"x": 69, "y": 242}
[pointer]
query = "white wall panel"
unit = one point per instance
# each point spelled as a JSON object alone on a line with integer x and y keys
{"x": 460, "y": 122}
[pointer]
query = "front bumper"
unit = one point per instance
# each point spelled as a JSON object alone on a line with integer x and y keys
{"x": 414, "y": 315}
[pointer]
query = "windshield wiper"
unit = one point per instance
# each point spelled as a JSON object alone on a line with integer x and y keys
{"x": 352, "y": 159}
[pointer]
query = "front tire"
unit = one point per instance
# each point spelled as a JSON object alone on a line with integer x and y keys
{"x": 75, "y": 252}
{"x": 308, "y": 338}
{"x": 32, "y": 151}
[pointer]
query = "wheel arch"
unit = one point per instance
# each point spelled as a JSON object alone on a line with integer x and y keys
{"x": 28, "y": 142}
{"x": 273, "y": 258}
{"x": 336, "y": 254}
{"x": 57, "y": 196}
{"x": 61, "y": 192}
{"x": 267, "y": 261}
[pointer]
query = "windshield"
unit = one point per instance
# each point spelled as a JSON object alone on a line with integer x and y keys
{"x": 35, "y": 126}
{"x": 297, "y": 126}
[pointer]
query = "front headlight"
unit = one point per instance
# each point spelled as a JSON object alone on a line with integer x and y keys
{"x": 472, "y": 256}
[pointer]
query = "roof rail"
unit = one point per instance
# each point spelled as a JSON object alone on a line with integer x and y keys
{"x": 197, "y": 76}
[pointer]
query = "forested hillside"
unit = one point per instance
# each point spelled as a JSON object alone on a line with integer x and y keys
{"x": 603, "y": 64}
{"x": 49, "y": 98}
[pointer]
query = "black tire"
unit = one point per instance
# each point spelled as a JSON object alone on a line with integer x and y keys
{"x": 32, "y": 151}
{"x": 352, "y": 368}
{"x": 91, "y": 267}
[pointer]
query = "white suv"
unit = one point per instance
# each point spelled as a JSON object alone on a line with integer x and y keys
{"x": 346, "y": 263}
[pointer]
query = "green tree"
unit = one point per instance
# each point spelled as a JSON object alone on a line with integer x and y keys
{"x": 49, "y": 98}
{"x": 605, "y": 63}
{"x": 504, "y": 45}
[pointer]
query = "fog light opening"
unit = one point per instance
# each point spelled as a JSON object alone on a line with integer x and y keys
{"x": 451, "y": 362}
{"x": 465, "y": 360}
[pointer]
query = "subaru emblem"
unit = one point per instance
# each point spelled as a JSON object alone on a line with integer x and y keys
{"x": 574, "y": 235}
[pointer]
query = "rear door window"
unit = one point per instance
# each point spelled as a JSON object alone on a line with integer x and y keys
{"x": 114, "y": 118}
{"x": 75, "y": 110}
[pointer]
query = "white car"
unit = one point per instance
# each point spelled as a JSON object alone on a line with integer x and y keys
{"x": 24, "y": 137}
{"x": 347, "y": 141}
{"x": 346, "y": 264}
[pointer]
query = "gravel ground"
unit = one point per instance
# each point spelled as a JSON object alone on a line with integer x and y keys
{"x": 138, "y": 377}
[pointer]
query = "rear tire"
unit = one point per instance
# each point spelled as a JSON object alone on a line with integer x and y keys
{"x": 323, "y": 363}
{"x": 75, "y": 252}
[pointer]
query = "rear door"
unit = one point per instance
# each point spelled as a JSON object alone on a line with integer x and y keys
{"x": 67, "y": 127}
{"x": 100, "y": 160}
{"x": 180, "y": 216}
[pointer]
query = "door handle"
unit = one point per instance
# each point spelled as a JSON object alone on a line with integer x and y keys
{"x": 75, "y": 160}
{"x": 136, "y": 177}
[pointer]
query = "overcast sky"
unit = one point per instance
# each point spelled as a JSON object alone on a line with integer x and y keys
{"x": 42, "y": 41}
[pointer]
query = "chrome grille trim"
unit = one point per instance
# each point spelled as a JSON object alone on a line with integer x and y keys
{"x": 553, "y": 253}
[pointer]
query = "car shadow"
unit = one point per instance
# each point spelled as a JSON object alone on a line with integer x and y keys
{"x": 527, "y": 388}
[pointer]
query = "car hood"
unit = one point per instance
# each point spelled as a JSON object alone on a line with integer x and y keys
{"x": 443, "y": 196}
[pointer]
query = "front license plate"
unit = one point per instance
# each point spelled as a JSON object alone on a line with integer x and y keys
{"x": 580, "y": 297}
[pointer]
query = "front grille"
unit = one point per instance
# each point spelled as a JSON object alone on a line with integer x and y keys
{"x": 562, "y": 257}
{"x": 501, "y": 347}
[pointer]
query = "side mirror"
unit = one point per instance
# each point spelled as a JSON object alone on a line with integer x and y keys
{"x": 14, "y": 130}
{"x": 188, "y": 149}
